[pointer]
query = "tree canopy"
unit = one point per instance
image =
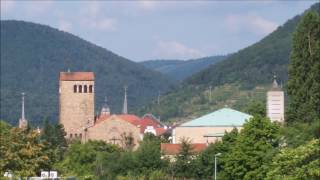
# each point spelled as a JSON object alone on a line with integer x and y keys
{"x": 304, "y": 71}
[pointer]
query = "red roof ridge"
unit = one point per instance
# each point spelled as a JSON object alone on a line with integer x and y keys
{"x": 76, "y": 76}
{"x": 173, "y": 149}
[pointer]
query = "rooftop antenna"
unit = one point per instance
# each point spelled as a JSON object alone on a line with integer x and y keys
{"x": 67, "y": 64}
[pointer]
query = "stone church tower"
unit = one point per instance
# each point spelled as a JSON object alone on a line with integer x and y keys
{"x": 76, "y": 110}
{"x": 275, "y": 103}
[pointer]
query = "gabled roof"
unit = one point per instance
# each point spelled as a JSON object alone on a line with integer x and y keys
{"x": 221, "y": 117}
{"x": 133, "y": 119}
{"x": 173, "y": 149}
{"x": 76, "y": 76}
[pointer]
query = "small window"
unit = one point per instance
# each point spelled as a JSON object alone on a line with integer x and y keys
{"x": 75, "y": 88}
{"x": 80, "y": 135}
{"x": 80, "y": 89}
{"x": 76, "y": 135}
{"x": 70, "y": 135}
{"x": 90, "y": 89}
{"x": 85, "y": 89}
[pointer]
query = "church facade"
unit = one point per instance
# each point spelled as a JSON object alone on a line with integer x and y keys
{"x": 76, "y": 107}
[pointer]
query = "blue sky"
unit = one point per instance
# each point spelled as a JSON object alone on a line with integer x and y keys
{"x": 143, "y": 30}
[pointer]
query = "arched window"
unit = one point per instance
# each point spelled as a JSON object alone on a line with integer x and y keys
{"x": 80, "y": 135}
{"x": 76, "y": 135}
{"x": 75, "y": 88}
{"x": 85, "y": 89}
{"x": 80, "y": 89}
{"x": 70, "y": 135}
{"x": 90, "y": 89}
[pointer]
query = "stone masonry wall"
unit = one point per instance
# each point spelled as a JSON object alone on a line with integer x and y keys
{"x": 76, "y": 109}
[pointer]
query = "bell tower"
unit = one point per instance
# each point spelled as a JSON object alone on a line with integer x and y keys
{"x": 275, "y": 102}
{"x": 76, "y": 106}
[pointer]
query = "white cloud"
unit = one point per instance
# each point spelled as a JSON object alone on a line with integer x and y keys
{"x": 94, "y": 18}
{"x": 174, "y": 49}
{"x": 65, "y": 25}
{"x": 147, "y": 4}
{"x": 250, "y": 23}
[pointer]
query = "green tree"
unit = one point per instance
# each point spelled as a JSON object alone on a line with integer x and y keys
{"x": 205, "y": 161}
{"x": 148, "y": 154}
{"x": 52, "y": 136}
{"x": 256, "y": 108}
{"x": 80, "y": 158}
{"x": 304, "y": 71}
{"x": 253, "y": 150}
{"x": 298, "y": 133}
{"x": 21, "y": 151}
{"x": 185, "y": 163}
{"x": 297, "y": 163}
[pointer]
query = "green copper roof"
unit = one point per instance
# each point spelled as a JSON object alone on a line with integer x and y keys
{"x": 221, "y": 117}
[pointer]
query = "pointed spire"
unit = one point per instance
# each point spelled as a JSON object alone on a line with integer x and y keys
{"x": 22, "y": 108}
{"x": 125, "y": 102}
{"x": 275, "y": 85}
{"x": 23, "y": 123}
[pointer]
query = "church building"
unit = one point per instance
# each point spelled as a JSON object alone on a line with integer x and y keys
{"x": 77, "y": 115}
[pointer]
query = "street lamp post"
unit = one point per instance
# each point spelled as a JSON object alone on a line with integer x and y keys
{"x": 215, "y": 165}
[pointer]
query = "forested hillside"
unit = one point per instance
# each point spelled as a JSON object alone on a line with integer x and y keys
{"x": 32, "y": 56}
{"x": 179, "y": 69}
{"x": 235, "y": 81}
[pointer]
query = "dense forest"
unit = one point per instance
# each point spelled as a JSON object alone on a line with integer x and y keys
{"x": 32, "y": 56}
{"x": 242, "y": 77}
{"x": 180, "y": 69}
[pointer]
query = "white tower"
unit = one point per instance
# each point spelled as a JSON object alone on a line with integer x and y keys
{"x": 275, "y": 102}
{"x": 23, "y": 123}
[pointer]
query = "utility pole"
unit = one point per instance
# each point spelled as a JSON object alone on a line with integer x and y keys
{"x": 210, "y": 88}
{"x": 215, "y": 165}
{"x": 159, "y": 98}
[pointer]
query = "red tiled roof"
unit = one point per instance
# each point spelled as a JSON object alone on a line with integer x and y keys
{"x": 160, "y": 131}
{"x": 76, "y": 76}
{"x": 102, "y": 118}
{"x": 133, "y": 119}
{"x": 173, "y": 149}
{"x": 149, "y": 121}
